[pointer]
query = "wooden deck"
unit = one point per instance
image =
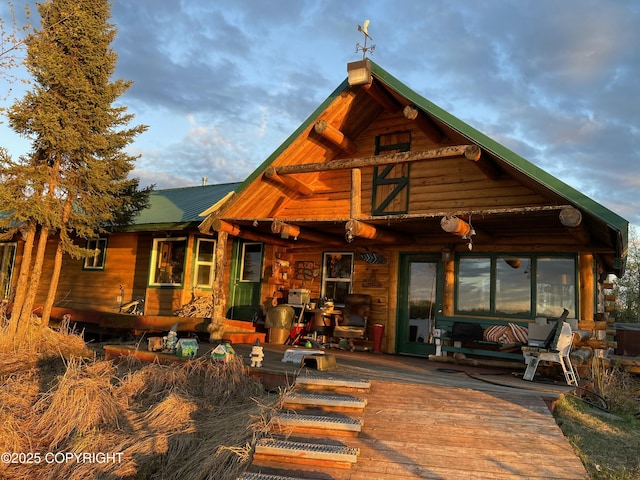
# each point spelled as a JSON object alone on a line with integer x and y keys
{"x": 434, "y": 421}
{"x": 430, "y": 420}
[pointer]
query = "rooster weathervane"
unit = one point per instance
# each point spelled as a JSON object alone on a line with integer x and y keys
{"x": 365, "y": 30}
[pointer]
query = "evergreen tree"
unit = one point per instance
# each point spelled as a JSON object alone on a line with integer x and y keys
{"x": 74, "y": 183}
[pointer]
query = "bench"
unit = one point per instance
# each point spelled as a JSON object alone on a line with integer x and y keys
{"x": 448, "y": 341}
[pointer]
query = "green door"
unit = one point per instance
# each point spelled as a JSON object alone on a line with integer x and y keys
{"x": 246, "y": 280}
{"x": 418, "y": 301}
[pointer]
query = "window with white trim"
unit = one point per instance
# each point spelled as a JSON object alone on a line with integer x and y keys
{"x": 97, "y": 260}
{"x": 167, "y": 261}
{"x": 205, "y": 262}
{"x": 337, "y": 276}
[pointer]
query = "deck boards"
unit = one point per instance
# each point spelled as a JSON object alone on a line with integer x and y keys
{"x": 421, "y": 431}
{"x": 435, "y": 431}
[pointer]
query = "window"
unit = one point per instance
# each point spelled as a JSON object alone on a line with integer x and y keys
{"x": 251, "y": 262}
{"x": 205, "y": 262}
{"x": 7, "y": 260}
{"x": 337, "y": 275}
{"x": 167, "y": 261}
{"x": 516, "y": 285}
{"x": 555, "y": 286}
{"x": 97, "y": 261}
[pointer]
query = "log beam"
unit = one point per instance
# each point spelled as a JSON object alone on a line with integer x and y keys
{"x": 571, "y": 219}
{"x": 376, "y": 160}
{"x": 356, "y": 228}
{"x": 226, "y": 227}
{"x": 231, "y": 229}
{"x": 427, "y": 127}
{"x": 288, "y": 181}
{"x": 286, "y": 230}
{"x": 456, "y": 226}
{"x": 335, "y": 136}
{"x": 486, "y": 166}
{"x": 381, "y": 96}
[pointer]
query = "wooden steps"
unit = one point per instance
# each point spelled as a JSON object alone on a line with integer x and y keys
{"x": 308, "y": 432}
{"x": 236, "y": 331}
{"x": 309, "y": 423}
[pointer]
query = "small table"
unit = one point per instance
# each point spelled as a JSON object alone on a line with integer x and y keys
{"x": 324, "y": 321}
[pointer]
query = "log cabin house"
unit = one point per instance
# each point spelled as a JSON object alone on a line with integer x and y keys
{"x": 381, "y": 192}
{"x": 378, "y": 192}
{"x": 161, "y": 259}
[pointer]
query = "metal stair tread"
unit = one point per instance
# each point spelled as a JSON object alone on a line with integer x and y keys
{"x": 320, "y": 421}
{"x": 325, "y": 400}
{"x": 312, "y": 451}
{"x": 265, "y": 476}
{"x": 331, "y": 381}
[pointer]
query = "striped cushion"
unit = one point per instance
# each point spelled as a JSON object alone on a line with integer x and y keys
{"x": 510, "y": 333}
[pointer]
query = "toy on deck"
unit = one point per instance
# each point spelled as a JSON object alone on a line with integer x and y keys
{"x": 257, "y": 354}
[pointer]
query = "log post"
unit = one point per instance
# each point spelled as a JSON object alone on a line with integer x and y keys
{"x": 586, "y": 286}
{"x": 356, "y": 193}
{"x": 335, "y": 136}
{"x": 216, "y": 327}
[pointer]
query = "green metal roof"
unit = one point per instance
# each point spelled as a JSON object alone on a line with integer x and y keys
{"x": 179, "y": 207}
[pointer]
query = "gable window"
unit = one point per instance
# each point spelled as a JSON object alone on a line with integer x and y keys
{"x": 516, "y": 285}
{"x": 337, "y": 276}
{"x": 167, "y": 261}
{"x": 205, "y": 262}
{"x": 7, "y": 261}
{"x": 96, "y": 261}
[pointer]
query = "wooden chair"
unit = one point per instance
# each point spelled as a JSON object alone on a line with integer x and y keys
{"x": 558, "y": 352}
{"x": 353, "y": 322}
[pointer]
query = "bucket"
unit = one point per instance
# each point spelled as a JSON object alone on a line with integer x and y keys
{"x": 378, "y": 333}
{"x": 278, "y": 335}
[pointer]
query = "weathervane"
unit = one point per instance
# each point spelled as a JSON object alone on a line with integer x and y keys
{"x": 365, "y": 30}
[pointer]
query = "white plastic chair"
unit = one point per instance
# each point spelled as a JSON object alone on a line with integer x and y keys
{"x": 558, "y": 352}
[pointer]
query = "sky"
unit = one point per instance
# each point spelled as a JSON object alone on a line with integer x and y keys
{"x": 221, "y": 84}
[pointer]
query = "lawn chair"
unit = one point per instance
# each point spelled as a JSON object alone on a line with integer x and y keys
{"x": 557, "y": 351}
{"x": 353, "y": 324}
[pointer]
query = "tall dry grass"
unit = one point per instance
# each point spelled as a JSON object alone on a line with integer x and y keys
{"x": 193, "y": 421}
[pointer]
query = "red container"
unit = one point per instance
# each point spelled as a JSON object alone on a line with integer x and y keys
{"x": 297, "y": 328}
{"x": 378, "y": 334}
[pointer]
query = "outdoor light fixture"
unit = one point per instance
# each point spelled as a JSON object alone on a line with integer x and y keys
{"x": 359, "y": 73}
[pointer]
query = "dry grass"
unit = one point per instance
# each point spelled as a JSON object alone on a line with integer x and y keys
{"x": 607, "y": 443}
{"x": 196, "y": 420}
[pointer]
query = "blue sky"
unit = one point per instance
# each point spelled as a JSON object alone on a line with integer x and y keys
{"x": 221, "y": 84}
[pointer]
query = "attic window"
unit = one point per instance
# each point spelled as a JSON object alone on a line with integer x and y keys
{"x": 391, "y": 182}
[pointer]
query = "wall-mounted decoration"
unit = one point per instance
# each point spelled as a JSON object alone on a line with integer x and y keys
{"x": 370, "y": 257}
{"x": 306, "y": 270}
